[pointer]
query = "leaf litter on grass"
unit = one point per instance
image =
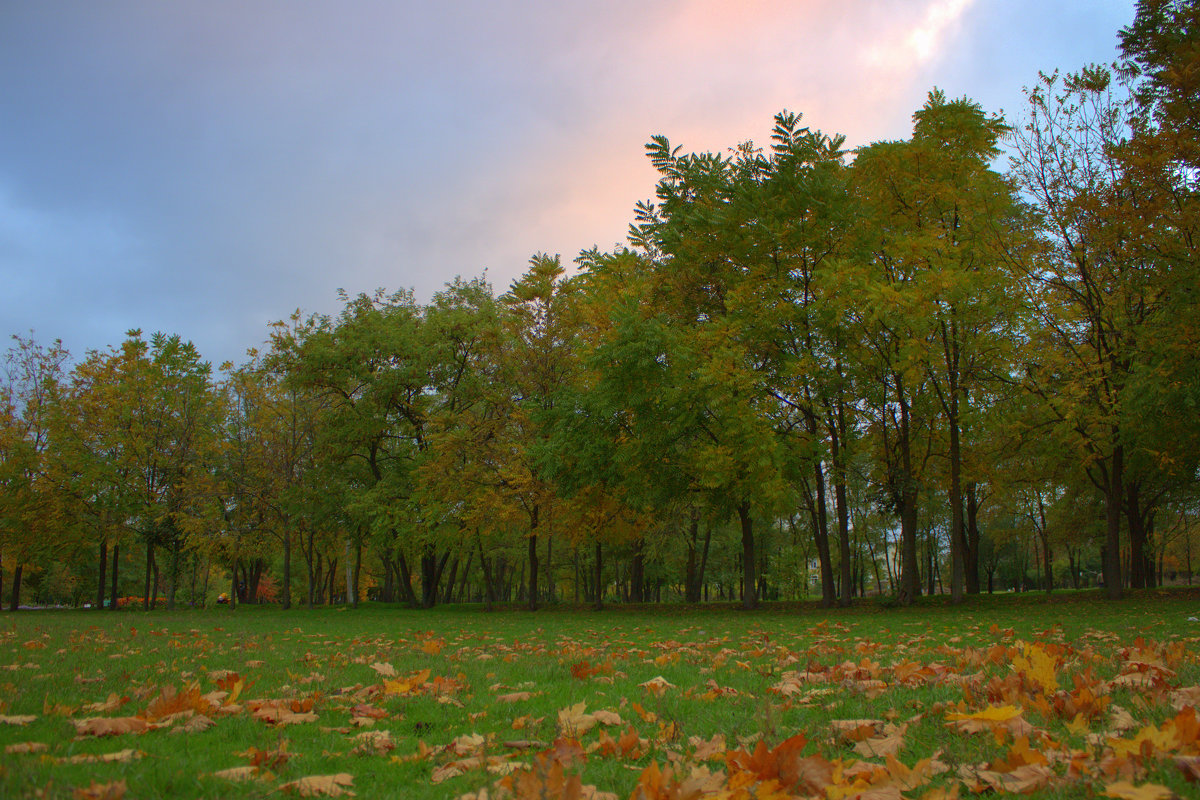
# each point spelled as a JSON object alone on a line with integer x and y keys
{"x": 799, "y": 710}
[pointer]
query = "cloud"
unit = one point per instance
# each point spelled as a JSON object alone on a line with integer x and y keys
{"x": 203, "y": 168}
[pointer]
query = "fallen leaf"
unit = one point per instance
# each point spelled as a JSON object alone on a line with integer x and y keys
{"x": 18, "y": 719}
{"x": 657, "y": 686}
{"x": 1147, "y": 791}
{"x": 27, "y": 747}
{"x": 513, "y": 697}
{"x": 114, "y": 790}
{"x": 242, "y": 774}
{"x": 321, "y": 785}
{"x": 110, "y": 726}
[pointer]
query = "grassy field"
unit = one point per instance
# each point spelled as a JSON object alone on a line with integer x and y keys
{"x": 1071, "y": 697}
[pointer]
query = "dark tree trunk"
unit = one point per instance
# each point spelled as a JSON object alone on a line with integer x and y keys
{"x": 598, "y": 582}
{"x": 749, "y": 598}
{"x": 971, "y": 550}
{"x": 533, "y": 560}
{"x": 820, "y": 519}
{"x": 451, "y": 579}
{"x": 285, "y": 598}
{"x": 150, "y": 570}
{"x": 406, "y": 589}
{"x": 637, "y": 573}
{"x": 1114, "y": 495}
{"x": 489, "y": 584}
{"x": 14, "y": 601}
{"x": 116, "y": 561}
{"x": 100, "y": 574}
{"x": 910, "y": 575}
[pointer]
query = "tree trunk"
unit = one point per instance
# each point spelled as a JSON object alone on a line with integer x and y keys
{"x": 489, "y": 591}
{"x": 820, "y": 519}
{"x": 533, "y": 559}
{"x": 309, "y": 557}
{"x": 149, "y": 573}
{"x": 598, "y": 598}
{"x": 14, "y": 601}
{"x": 100, "y": 574}
{"x": 957, "y": 537}
{"x": 910, "y": 577}
{"x": 406, "y": 589}
{"x": 286, "y": 596}
{"x": 971, "y": 550}
{"x": 1114, "y": 495}
{"x": 637, "y": 573}
{"x": 749, "y": 598}
{"x": 116, "y": 561}
{"x": 448, "y": 592}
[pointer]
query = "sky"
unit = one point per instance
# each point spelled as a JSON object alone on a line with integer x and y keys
{"x": 205, "y": 167}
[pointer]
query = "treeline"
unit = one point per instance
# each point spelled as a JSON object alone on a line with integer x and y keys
{"x": 890, "y": 371}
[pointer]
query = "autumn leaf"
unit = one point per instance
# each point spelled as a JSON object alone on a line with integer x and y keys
{"x": 513, "y": 697}
{"x": 321, "y": 785}
{"x": 242, "y": 774}
{"x": 406, "y": 686}
{"x": 657, "y": 686}
{"x": 856, "y": 730}
{"x": 1038, "y": 666}
{"x": 1147, "y": 791}
{"x": 113, "y": 702}
{"x": 385, "y": 669}
{"x": 119, "y": 757}
{"x": 433, "y": 647}
{"x": 986, "y": 720}
{"x": 574, "y": 721}
{"x": 888, "y": 744}
{"x": 113, "y": 790}
{"x": 27, "y": 747}
{"x": 17, "y": 719}
{"x": 110, "y": 726}
{"x": 373, "y": 743}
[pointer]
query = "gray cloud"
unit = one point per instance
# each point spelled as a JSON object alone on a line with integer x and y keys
{"x": 203, "y": 168}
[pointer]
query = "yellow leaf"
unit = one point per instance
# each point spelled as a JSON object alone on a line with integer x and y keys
{"x": 1147, "y": 791}
{"x": 1038, "y": 666}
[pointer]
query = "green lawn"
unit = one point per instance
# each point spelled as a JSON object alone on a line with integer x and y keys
{"x": 1068, "y": 697}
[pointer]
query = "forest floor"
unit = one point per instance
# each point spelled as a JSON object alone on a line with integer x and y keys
{"x": 1068, "y": 696}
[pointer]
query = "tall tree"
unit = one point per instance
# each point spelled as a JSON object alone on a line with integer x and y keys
{"x": 30, "y": 382}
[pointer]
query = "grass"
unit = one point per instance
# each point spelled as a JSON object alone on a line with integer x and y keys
{"x": 725, "y": 669}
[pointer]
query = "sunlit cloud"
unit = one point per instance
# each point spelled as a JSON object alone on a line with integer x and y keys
{"x": 919, "y": 43}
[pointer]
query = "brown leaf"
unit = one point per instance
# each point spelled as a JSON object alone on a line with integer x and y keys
{"x": 657, "y": 686}
{"x": 888, "y": 744}
{"x": 114, "y": 790}
{"x": 373, "y": 743}
{"x": 110, "y": 726}
{"x": 1189, "y": 766}
{"x": 856, "y": 730}
{"x": 574, "y": 721}
{"x": 113, "y": 702}
{"x": 385, "y": 669}
{"x": 27, "y": 747}
{"x": 321, "y": 785}
{"x": 268, "y": 758}
{"x": 18, "y": 719}
{"x": 1147, "y": 791}
{"x": 119, "y": 757}
{"x": 242, "y": 774}
{"x": 513, "y": 697}
{"x": 195, "y": 724}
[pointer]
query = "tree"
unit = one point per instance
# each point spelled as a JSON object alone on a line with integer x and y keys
{"x": 31, "y": 377}
{"x": 1100, "y": 294}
